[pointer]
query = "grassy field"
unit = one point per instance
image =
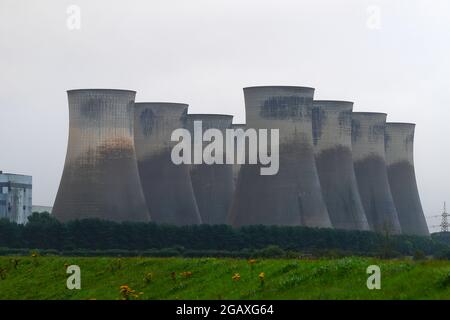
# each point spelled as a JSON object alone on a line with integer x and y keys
{"x": 210, "y": 278}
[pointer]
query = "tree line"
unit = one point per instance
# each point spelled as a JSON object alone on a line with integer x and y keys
{"x": 45, "y": 232}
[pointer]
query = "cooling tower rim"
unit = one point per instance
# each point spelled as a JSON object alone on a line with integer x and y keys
{"x": 279, "y": 87}
{"x": 333, "y": 105}
{"x": 333, "y": 101}
{"x": 210, "y": 115}
{"x": 174, "y": 104}
{"x": 406, "y": 124}
{"x": 101, "y": 90}
{"x": 370, "y": 113}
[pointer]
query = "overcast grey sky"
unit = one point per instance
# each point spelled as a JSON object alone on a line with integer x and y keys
{"x": 203, "y": 52}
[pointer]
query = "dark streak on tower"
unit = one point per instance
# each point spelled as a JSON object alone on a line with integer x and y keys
{"x": 236, "y": 166}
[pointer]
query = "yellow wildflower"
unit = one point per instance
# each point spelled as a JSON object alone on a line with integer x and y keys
{"x": 148, "y": 277}
{"x": 127, "y": 293}
{"x": 261, "y": 277}
{"x": 186, "y": 274}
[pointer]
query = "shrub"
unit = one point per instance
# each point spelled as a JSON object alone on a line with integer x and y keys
{"x": 419, "y": 255}
{"x": 271, "y": 251}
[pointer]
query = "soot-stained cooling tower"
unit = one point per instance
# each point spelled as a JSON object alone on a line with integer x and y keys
{"x": 399, "y": 144}
{"x": 212, "y": 183}
{"x": 292, "y": 196}
{"x": 370, "y": 168}
{"x": 236, "y": 166}
{"x": 167, "y": 187}
{"x": 332, "y": 136}
{"x": 100, "y": 178}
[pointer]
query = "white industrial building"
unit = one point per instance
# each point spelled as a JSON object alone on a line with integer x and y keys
{"x": 15, "y": 197}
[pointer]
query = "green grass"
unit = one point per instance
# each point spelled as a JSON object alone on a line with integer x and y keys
{"x": 45, "y": 278}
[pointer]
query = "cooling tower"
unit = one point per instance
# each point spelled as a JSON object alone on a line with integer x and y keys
{"x": 332, "y": 136}
{"x": 212, "y": 183}
{"x": 100, "y": 177}
{"x": 399, "y": 141}
{"x": 236, "y": 165}
{"x": 371, "y": 174}
{"x": 167, "y": 186}
{"x": 292, "y": 196}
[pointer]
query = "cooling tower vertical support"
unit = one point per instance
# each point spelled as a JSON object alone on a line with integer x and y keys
{"x": 370, "y": 168}
{"x": 332, "y": 127}
{"x": 212, "y": 183}
{"x": 292, "y": 196}
{"x": 399, "y": 143}
{"x": 167, "y": 186}
{"x": 236, "y": 165}
{"x": 100, "y": 178}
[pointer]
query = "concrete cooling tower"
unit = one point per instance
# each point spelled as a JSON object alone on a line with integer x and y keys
{"x": 332, "y": 136}
{"x": 167, "y": 186}
{"x": 371, "y": 174}
{"x": 100, "y": 177}
{"x": 292, "y": 196}
{"x": 236, "y": 166}
{"x": 399, "y": 142}
{"x": 212, "y": 183}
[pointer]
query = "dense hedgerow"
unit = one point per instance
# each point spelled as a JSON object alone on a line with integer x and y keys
{"x": 89, "y": 236}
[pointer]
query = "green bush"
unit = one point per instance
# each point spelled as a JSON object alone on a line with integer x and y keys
{"x": 271, "y": 251}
